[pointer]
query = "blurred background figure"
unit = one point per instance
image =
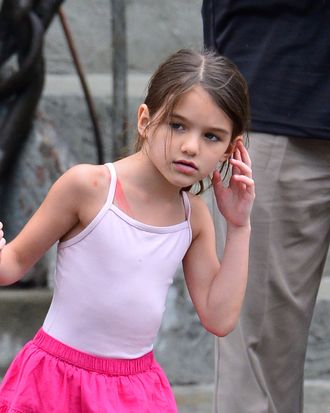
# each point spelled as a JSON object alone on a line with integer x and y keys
{"x": 282, "y": 48}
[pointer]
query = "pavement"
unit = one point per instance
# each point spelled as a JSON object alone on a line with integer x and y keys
{"x": 198, "y": 398}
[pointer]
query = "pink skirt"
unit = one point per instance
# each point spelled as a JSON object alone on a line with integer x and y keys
{"x": 47, "y": 376}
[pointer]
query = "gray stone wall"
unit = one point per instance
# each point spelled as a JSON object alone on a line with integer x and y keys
{"x": 154, "y": 29}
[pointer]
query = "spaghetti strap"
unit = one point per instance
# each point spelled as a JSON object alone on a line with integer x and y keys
{"x": 113, "y": 182}
{"x": 99, "y": 216}
{"x": 187, "y": 206}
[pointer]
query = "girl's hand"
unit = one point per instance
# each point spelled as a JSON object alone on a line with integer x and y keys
{"x": 2, "y": 240}
{"x": 235, "y": 202}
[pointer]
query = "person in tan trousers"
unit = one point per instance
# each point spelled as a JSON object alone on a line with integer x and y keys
{"x": 282, "y": 49}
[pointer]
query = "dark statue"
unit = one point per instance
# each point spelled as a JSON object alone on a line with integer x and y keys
{"x": 23, "y": 24}
{"x": 32, "y": 155}
{"x": 28, "y": 161}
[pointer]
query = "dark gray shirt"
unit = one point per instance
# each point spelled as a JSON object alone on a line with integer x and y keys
{"x": 282, "y": 47}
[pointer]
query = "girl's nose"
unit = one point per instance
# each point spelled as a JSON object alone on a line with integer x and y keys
{"x": 190, "y": 145}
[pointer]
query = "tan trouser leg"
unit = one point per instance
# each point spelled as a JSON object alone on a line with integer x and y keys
{"x": 259, "y": 367}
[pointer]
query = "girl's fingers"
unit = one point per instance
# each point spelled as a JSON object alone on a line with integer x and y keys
{"x": 2, "y": 243}
{"x": 245, "y": 181}
{"x": 244, "y": 154}
{"x": 241, "y": 167}
{"x": 237, "y": 153}
{"x": 236, "y": 156}
{"x": 216, "y": 177}
{"x": 2, "y": 240}
{"x": 216, "y": 180}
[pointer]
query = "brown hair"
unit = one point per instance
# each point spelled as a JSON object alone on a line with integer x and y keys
{"x": 214, "y": 73}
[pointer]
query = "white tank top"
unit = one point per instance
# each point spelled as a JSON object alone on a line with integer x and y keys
{"x": 112, "y": 279}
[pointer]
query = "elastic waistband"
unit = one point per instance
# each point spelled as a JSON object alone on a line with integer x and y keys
{"x": 110, "y": 366}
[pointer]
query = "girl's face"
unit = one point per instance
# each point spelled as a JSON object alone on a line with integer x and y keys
{"x": 187, "y": 147}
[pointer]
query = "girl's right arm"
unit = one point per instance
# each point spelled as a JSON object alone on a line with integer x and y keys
{"x": 64, "y": 209}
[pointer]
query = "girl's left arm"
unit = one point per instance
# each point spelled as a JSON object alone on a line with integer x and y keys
{"x": 217, "y": 290}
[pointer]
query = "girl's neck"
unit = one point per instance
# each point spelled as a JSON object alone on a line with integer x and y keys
{"x": 138, "y": 171}
{"x": 149, "y": 196}
{"x": 121, "y": 200}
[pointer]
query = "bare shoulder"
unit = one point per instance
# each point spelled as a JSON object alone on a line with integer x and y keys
{"x": 200, "y": 215}
{"x": 81, "y": 193}
{"x": 87, "y": 184}
{"x": 86, "y": 177}
{"x": 82, "y": 181}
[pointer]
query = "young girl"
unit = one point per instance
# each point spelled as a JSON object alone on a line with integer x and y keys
{"x": 123, "y": 228}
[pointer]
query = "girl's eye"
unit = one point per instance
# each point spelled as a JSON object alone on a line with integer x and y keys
{"x": 212, "y": 137}
{"x": 176, "y": 126}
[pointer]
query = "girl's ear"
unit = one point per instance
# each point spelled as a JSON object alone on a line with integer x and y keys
{"x": 143, "y": 119}
{"x": 231, "y": 148}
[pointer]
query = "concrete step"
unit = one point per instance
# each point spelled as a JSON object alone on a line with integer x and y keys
{"x": 317, "y": 396}
{"x": 324, "y": 291}
{"x": 194, "y": 398}
{"x": 198, "y": 399}
{"x": 100, "y": 85}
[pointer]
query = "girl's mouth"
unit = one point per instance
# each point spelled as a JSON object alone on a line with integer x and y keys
{"x": 186, "y": 167}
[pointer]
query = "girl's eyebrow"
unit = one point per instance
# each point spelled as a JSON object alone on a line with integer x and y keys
{"x": 211, "y": 129}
